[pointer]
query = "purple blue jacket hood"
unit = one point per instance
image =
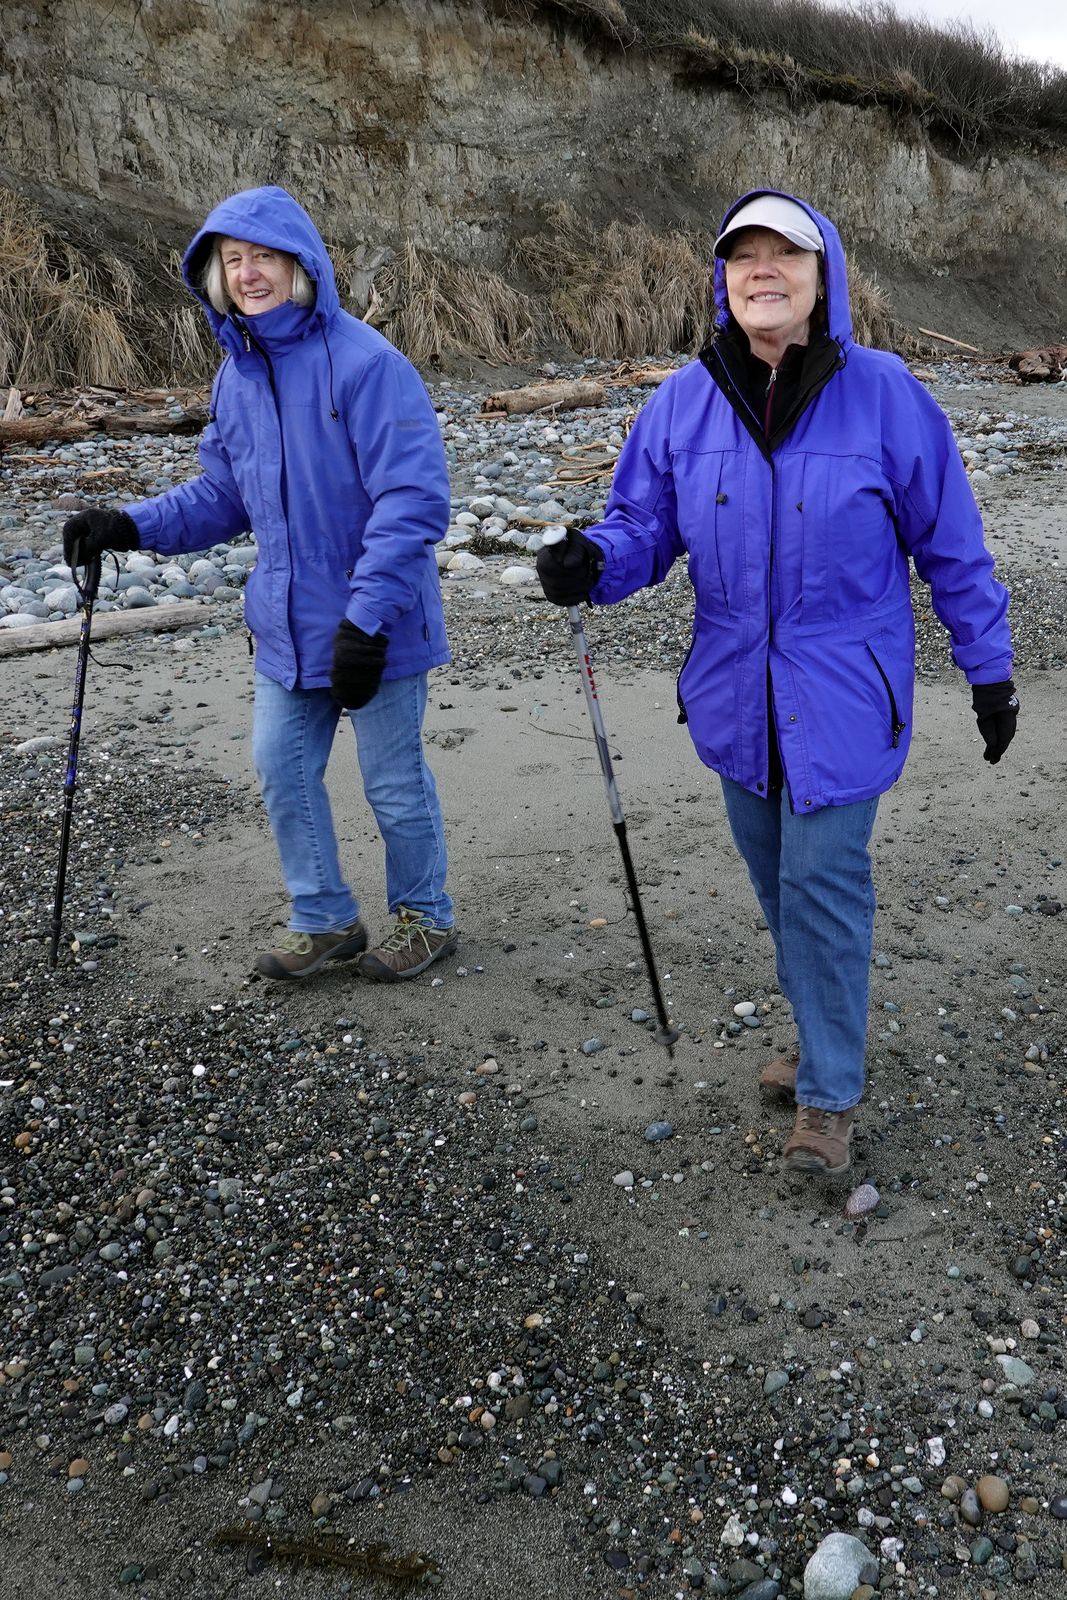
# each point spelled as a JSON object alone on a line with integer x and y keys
{"x": 799, "y": 557}
{"x": 324, "y": 442}
{"x": 838, "y": 310}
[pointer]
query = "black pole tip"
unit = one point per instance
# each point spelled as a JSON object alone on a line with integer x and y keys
{"x": 668, "y": 1038}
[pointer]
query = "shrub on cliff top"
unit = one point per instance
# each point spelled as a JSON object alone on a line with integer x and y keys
{"x": 953, "y": 77}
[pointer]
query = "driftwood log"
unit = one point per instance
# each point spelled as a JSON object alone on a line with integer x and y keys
{"x": 106, "y": 625}
{"x": 1045, "y": 365}
{"x": 61, "y": 426}
{"x": 634, "y": 376}
{"x": 947, "y": 338}
{"x": 562, "y": 396}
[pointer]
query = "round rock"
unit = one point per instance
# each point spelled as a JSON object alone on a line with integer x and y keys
{"x": 992, "y": 1492}
{"x": 840, "y": 1564}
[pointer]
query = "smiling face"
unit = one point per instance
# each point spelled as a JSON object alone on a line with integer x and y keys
{"x": 257, "y": 278}
{"x": 772, "y": 285}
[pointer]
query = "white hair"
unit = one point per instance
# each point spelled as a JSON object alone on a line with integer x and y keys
{"x": 213, "y": 282}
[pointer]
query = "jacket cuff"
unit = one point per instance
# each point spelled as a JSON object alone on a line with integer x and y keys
{"x": 148, "y": 521}
{"x": 361, "y": 616}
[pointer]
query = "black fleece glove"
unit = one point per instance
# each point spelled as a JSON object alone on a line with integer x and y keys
{"x": 87, "y": 534}
{"x": 570, "y": 569}
{"x": 358, "y": 663}
{"x": 996, "y": 705}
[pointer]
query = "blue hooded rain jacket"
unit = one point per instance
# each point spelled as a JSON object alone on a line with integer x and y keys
{"x": 799, "y": 558}
{"x": 324, "y": 442}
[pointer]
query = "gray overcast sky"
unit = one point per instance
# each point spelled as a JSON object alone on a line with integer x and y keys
{"x": 1036, "y": 28}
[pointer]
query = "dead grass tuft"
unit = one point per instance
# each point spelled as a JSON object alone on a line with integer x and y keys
{"x": 60, "y": 317}
{"x": 626, "y": 290}
{"x": 431, "y": 308}
{"x": 872, "y": 319}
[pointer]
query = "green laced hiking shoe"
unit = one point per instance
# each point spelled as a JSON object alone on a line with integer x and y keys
{"x": 408, "y": 950}
{"x": 301, "y": 954}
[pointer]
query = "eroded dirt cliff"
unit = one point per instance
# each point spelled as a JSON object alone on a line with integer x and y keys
{"x": 451, "y": 125}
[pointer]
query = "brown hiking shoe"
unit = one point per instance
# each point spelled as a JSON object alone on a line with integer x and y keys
{"x": 411, "y": 946}
{"x": 778, "y": 1080}
{"x": 819, "y": 1141}
{"x": 301, "y": 954}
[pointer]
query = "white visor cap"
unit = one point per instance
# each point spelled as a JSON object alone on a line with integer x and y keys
{"x": 772, "y": 211}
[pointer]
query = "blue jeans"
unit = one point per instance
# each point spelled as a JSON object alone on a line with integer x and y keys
{"x": 812, "y": 877}
{"x": 292, "y": 735}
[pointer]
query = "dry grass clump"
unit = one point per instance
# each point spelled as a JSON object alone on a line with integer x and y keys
{"x": 172, "y": 329}
{"x": 431, "y": 308}
{"x": 70, "y": 317}
{"x": 627, "y": 290}
{"x": 185, "y": 350}
{"x": 61, "y": 317}
{"x": 872, "y": 319}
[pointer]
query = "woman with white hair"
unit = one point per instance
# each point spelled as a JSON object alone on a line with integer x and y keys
{"x": 324, "y": 442}
{"x": 800, "y": 473}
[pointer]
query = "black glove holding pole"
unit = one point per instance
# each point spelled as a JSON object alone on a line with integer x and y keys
{"x": 996, "y": 706}
{"x": 358, "y": 663}
{"x": 569, "y": 568}
{"x": 87, "y": 534}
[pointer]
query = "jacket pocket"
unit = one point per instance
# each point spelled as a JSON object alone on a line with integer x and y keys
{"x": 704, "y": 510}
{"x": 683, "y": 715}
{"x": 895, "y": 723}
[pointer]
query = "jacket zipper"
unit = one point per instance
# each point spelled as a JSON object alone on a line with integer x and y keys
{"x": 770, "y": 402}
{"x": 713, "y": 361}
{"x": 759, "y": 435}
{"x": 898, "y": 726}
{"x": 250, "y": 345}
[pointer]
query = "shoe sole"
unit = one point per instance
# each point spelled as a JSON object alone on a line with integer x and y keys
{"x": 804, "y": 1162}
{"x": 344, "y": 952}
{"x": 378, "y": 972}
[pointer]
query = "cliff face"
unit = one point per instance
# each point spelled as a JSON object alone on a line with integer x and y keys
{"x": 443, "y": 123}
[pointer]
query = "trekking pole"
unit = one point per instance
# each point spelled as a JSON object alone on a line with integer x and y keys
{"x": 87, "y": 595}
{"x": 664, "y": 1034}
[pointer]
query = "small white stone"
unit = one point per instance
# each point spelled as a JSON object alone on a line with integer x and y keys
{"x": 745, "y": 1008}
{"x": 464, "y": 561}
{"x": 517, "y": 576}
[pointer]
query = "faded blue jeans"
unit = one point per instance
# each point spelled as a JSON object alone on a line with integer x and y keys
{"x": 812, "y": 877}
{"x": 292, "y": 735}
